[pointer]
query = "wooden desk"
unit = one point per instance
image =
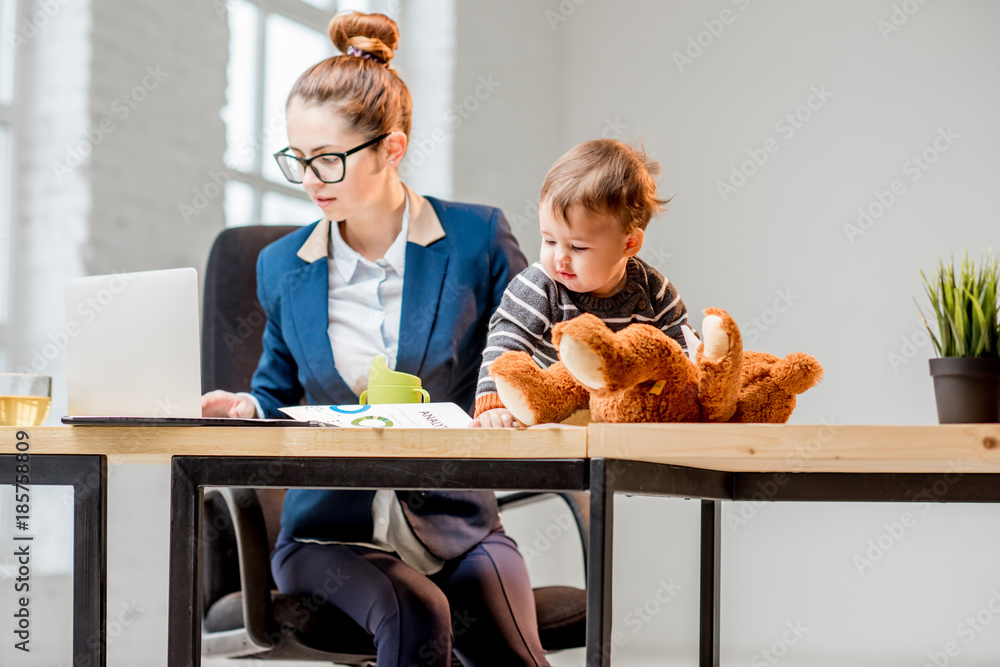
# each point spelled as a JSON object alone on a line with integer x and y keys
{"x": 802, "y": 447}
{"x": 772, "y": 463}
{"x": 711, "y": 462}
{"x": 129, "y": 444}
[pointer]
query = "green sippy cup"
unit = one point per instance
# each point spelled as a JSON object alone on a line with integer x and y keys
{"x": 388, "y": 386}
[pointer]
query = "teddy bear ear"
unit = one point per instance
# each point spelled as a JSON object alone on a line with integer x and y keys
{"x": 692, "y": 342}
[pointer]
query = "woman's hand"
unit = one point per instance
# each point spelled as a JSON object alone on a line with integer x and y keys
{"x": 220, "y": 403}
{"x": 496, "y": 418}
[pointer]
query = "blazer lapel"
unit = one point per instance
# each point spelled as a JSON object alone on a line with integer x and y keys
{"x": 422, "y": 284}
{"x": 308, "y": 298}
{"x": 424, "y": 279}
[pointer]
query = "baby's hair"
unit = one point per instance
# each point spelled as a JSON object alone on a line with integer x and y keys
{"x": 359, "y": 84}
{"x": 605, "y": 176}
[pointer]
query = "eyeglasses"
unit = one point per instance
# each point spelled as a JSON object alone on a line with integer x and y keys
{"x": 328, "y": 167}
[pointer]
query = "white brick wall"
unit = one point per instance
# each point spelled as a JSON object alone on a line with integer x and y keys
{"x": 51, "y": 220}
{"x": 159, "y": 82}
{"x": 120, "y": 107}
{"x": 122, "y": 129}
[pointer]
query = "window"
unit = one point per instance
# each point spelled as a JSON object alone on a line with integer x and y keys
{"x": 8, "y": 51}
{"x": 271, "y": 42}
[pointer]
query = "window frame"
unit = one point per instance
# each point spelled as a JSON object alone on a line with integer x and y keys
{"x": 9, "y": 117}
{"x": 312, "y": 18}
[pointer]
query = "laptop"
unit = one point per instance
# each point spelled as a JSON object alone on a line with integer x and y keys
{"x": 134, "y": 351}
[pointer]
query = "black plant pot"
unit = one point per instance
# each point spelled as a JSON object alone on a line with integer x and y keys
{"x": 967, "y": 389}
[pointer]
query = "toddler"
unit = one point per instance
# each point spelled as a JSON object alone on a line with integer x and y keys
{"x": 593, "y": 210}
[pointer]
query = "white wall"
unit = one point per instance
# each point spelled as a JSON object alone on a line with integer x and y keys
{"x": 509, "y": 97}
{"x": 781, "y": 233}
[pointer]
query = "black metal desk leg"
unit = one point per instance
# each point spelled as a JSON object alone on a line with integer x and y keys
{"x": 88, "y": 475}
{"x": 184, "y": 622}
{"x": 90, "y": 558}
{"x": 602, "y": 504}
{"x": 711, "y": 543}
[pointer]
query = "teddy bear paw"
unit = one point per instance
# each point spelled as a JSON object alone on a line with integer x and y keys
{"x": 716, "y": 339}
{"x": 516, "y": 401}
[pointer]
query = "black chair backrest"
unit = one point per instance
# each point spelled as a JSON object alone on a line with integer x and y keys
{"x": 233, "y": 320}
{"x": 232, "y": 327}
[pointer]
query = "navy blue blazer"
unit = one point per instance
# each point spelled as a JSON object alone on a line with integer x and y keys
{"x": 459, "y": 259}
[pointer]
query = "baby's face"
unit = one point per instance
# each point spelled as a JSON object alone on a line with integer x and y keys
{"x": 589, "y": 253}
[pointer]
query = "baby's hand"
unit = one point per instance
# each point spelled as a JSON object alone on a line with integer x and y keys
{"x": 496, "y": 418}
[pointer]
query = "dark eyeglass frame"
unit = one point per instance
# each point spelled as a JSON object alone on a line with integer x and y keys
{"x": 307, "y": 162}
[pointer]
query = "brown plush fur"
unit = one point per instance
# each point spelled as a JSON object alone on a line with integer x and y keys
{"x": 719, "y": 379}
{"x": 737, "y": 387}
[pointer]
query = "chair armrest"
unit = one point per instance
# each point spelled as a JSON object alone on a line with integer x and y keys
{"x": 254, "y": 562}
{"x": 577, "y": 501}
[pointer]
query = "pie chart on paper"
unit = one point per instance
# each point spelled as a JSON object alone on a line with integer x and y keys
{"x": 373, "y": 421}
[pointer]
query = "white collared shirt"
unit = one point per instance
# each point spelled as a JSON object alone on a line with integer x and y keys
{"x": 365, "y": 303}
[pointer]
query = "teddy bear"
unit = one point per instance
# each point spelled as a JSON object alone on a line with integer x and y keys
{"x": 640, "y": 374}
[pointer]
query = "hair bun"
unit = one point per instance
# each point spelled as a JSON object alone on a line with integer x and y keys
{"x": 375, "y": 33}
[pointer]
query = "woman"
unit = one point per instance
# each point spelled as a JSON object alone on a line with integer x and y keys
{"x": 385, "y": 271}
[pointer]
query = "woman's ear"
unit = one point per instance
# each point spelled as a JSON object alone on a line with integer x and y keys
{"x": 395, "y": 147}
{"x": 633, "y": 243}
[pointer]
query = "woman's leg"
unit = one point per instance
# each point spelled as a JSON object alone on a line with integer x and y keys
{"x": 406, "y": 613}
{"x": 492, "y": 606}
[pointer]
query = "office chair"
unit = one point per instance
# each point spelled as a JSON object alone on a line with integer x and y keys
{"x": 244, "y": 615}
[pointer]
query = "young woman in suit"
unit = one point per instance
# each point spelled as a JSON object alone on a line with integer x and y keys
{"x": 416, "y": 279}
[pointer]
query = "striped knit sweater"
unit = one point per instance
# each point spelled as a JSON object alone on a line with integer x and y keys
{"x": 533, "y": 303}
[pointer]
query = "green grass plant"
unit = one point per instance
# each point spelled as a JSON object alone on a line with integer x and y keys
{"x": 963, "y": 299}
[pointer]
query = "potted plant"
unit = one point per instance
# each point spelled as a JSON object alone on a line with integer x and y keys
{"x": 966, "y": 308}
